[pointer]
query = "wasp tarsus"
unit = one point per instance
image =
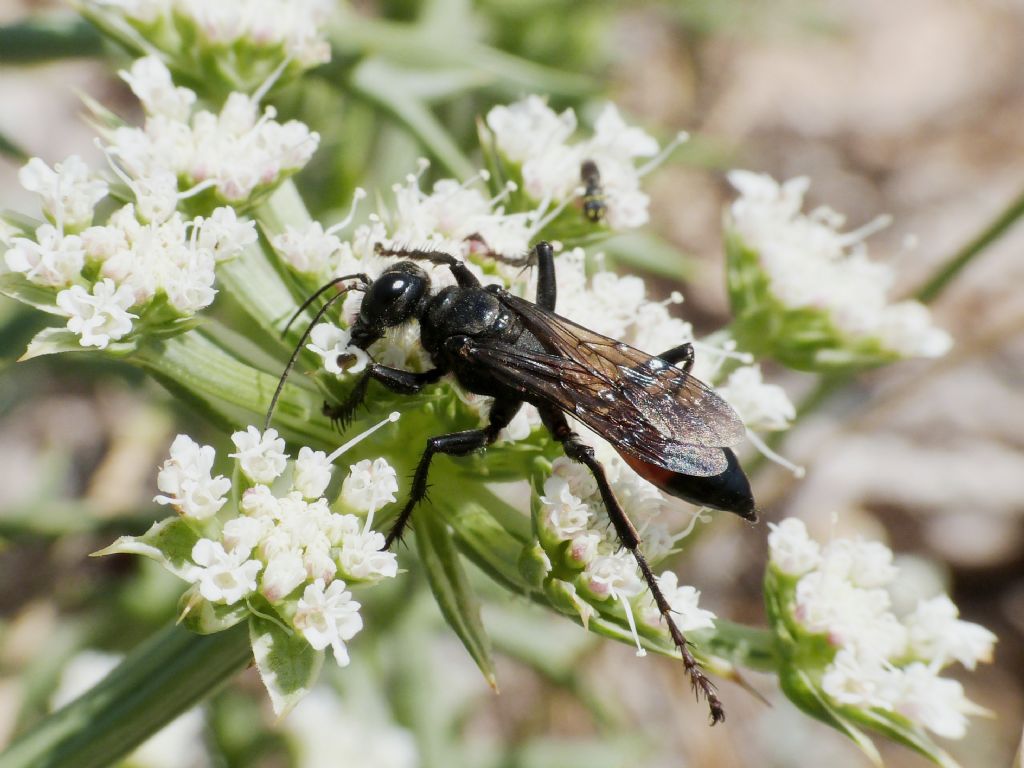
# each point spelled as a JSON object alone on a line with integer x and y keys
{"x": 670, "y": 427}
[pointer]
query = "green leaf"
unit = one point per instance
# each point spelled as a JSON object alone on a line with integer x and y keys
{"x": 18, "y": 287}
{"x": 458, "y": 603}
{"x": 288, "y": 665}
{"x": 802, "y": 691}
{"x": 201, "y": 616}
{"x": 169, "y": 542}
{"x": 52, "y": 341}
{"x": 901, "y": 730}
{"x": 381, "y": 83}
{"x": 38, "y": 40}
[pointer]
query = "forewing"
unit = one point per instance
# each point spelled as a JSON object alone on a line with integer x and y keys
{"x": 639, "y": 403}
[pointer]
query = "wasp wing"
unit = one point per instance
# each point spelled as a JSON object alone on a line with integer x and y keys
{"x": 642, "y": 404}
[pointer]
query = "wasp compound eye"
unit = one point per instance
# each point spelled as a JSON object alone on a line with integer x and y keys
{"x": 394, "y": 296}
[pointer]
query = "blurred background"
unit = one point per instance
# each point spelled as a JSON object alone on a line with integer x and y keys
{"x": 912, "y": 109}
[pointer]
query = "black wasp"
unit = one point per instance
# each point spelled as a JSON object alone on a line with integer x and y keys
{"x": 594, "y": 207}
{"x": 671, "y": 428}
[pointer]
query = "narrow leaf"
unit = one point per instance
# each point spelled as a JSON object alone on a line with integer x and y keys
{"x": 288, "y": 665}
{"x": 447, "y": 579}
{"x": 169, "y": 542}
{"x": 19, "y": 288}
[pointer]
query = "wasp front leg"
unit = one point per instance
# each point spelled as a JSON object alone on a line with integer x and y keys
{"x": 395, "y": 379}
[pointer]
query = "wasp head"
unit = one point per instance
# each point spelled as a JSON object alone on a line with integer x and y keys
{"x": 392, "y": 299}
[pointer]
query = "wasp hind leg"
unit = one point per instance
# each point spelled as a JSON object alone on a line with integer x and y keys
{"x": 579, "y": 451}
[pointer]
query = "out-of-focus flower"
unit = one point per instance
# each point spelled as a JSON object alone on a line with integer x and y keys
{"x": 68, "y": 191}
{"x": 806, "y": 293}
{"x": 872, "y": 662}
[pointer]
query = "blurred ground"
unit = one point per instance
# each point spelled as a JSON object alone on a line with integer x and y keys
{"x": 912, "y": 108}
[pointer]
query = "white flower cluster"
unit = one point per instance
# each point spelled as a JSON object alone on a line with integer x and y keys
{"x": 881, "y": 661}
{"x": 810, "y": 263}
{"x": 238, "y": 151}
{"x": 284, "y": 542}
{"x": 106, "y": 270}
{"x": 572, "y": 514}
{"x": 533, "y": 135}
{"x": 292, "y": 26}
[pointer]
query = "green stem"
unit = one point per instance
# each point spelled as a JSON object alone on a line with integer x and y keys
{"x": 748, "y": 647}
{"x": 36, "y": 41}
{"x": 955, "y": 264}
{"x": 159, "y": 680}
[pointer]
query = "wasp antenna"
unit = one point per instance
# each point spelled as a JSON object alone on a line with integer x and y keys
{"x": 305, "y": 335}
{"x": 319, "y": 292}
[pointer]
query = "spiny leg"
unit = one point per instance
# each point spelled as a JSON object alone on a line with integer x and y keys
{"x": 454, "y": 444}
{"x": 463, "y": 276}
{"x": 579, "y": 451}
{"x": 543, "y": 256}
{"x": 395, "y": 379}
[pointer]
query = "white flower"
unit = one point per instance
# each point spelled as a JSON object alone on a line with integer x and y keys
{"x": 308, "y": 250}
{"x": 223, "y": 577}
{"x": 811, "y": 264}
{"x": 937, "y": 703}
{"x": 259, "y": 501}
{"x": 151, "y": 83}
{"x": 614, "y": 575}
{"x": 868, "y": 564}
{"x": 185, "y": 476}
{"x": 584, "y": 547}
{"x": 325, "y": 731}
{"x": 370, "y": 485}
{"x": 579, "y": 477}
{"x": 528, "y": 128}
{"x": 241, "y": 534}
{"x": 330, "y": 342}
{"x": 284, "y": 572}
{"x": 763, "y": 407}
{"x": 68, "y": 192}
{"x": 857, "y": 680}
{"x": 328, "y": 617}
{"x": 683, "y": 600}
{"x": 98, "y": 317}
{"x": 51, "y": 259}
{"x": 261, "y": 456}
{"x": 362, "y": 557}
{"x": 224, "y": 236}
{"x": 936, "y": 635}
{"x": 312, "y": 473}
{"x": 791, "y": 550}
{"x": 566, "y": 515}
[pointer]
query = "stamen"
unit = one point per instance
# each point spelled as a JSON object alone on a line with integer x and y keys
{"x": 58, "y": 213}
{"x": 357, "y": 194}
{"x": 392, "y": 417}
{"x": 510, "y": 187}
{"x": 877, "y": 224}
{"x": 640, "y": 652}
{"x": 680, "y": 138}
{"x": 725, "y": 351}
{"x": 191, "y": 192}
{"x": 262, "y": 91}
{"x": 771, "y": 455}
{"x": 554, "y": 213}
{"x": 697, "y": 516}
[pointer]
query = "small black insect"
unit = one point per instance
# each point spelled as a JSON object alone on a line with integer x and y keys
{"x": 594, "y": 207}
{"x": 671, "y": 428}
